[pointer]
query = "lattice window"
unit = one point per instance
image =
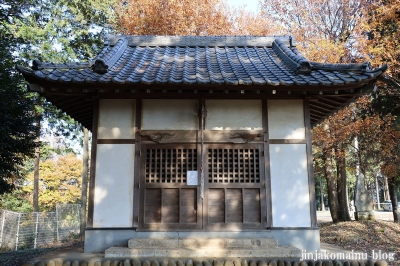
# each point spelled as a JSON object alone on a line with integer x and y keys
{"x": 233, "y": 165}
{"x": 169, "y": 165}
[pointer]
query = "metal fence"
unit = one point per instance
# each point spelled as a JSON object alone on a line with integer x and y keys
{"x": 38, "y": 229}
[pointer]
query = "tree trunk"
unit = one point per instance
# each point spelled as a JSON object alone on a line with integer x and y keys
{"x": 393, "y": 198}
{"x": 343, "y": 211}
{"x": 85, "y": 172}
{"x": 386, "y": 188}
{"x": 36, "y": 169}
{"x": 331, "y": 188}
{"x": 322, "y": 195}
{"x": 378, "y": 201}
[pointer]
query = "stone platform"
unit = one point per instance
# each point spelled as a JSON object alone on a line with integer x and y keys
{"x": 203, "y": 248}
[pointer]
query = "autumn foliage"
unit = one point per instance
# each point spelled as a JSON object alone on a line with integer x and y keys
{"x": 325, "y": 30}
{"x": 60, "y": 181}
{"x": 382, "y": 22}
{"x": 188, "y": 18}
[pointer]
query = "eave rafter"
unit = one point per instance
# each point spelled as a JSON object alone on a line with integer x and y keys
{"x": 78, "y": 101}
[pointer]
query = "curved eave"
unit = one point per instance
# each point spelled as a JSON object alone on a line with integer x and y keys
{"x": 326, "y": 80}
{"x": 78, "y": 101}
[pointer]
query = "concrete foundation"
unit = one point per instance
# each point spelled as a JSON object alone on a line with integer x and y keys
{"x": 98, "y": 240}
{"x": 203, "y": 248}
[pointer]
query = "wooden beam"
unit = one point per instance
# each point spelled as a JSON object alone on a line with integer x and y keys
{"x": 311, "y": 181}
{"x": 320, "y": 108}
{"x": 93, "y": 158}
{"x": 316, "y": 111}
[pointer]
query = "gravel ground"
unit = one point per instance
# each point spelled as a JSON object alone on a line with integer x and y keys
{"x": 14, "y": 258}
{"x": 325, "y": 216}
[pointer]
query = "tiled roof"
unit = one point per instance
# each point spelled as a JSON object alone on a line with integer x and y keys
{"x": 199, "y": 66}
{"x": 272, "y": 61}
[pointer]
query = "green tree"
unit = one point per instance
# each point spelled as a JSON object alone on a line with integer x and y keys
{"x": 17, "y": 129}
{"x": 57, "y": 31}
{"x": 62, "y": 31}
{"x": 17, "y": 201}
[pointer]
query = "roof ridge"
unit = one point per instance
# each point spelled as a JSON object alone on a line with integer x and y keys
{"x": 155, "y": 40}
{"x": 109, "y": 57}
{"x": 296, "y": 62}
{"x": 353, "y": 67}
{"x": 38, "y": 65}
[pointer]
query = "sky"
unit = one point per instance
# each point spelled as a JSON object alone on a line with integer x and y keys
{"x": 251, "y": 5}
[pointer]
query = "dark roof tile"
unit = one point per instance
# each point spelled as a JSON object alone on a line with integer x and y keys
{"x": 203, "y": 60}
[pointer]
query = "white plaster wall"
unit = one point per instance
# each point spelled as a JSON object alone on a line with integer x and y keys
{"x": 116, "y": 119}
{"x": 289, "y": 185}
{"x": 160, "y": 114}
{"x": 113, "y": 192}
{"x": 234, "y": 114}
{"x": 286, "y": 119}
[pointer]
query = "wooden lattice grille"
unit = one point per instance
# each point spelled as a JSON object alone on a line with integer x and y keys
{"x": 169, "y": 165}
{"x": 233, "y": 165}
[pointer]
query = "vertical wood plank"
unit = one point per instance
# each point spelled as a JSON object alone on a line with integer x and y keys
{"x": 138, "y": 165}
{"x": 160, "y": 160}
{"x": 267, "y": 169}
{"x": 92, "y": 181}
{"x": 217, "y": 160}
{"x": 243, "y": 207}
{"x": 149, "y": 157}
{"x": 225, "y": 207}
{"x": 256, "y": 153}
{"x": 180, "y": 165}
{"x": 172, "y": 166}
{"x": 161, "y": 205}
{"x": 211, "y": 151}
{"x": 311, "y": 181}
{"x": 156, "y": 166}
{"x": 180, "y": 206}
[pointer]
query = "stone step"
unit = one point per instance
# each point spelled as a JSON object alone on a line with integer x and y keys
{"x": 196, "y": 243}
{"x": 272, "y": 252}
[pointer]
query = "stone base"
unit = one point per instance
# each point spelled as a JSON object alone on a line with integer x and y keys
{"x": 364, "y": 215}
{"x": 190, "y": 262}
{"x": 98, "y": 240}
{"x": 203, "y": 248}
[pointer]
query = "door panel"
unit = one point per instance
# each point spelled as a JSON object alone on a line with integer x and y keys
{"x": 234, "y": 187}
{"x": 167, "y": 202}
{"x": 235, "y": 191}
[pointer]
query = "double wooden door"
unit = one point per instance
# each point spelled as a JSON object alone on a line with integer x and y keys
{"x": 233, "y": 191}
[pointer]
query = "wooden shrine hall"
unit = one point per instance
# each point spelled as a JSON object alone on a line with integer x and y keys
{"x": 200, "y": 139}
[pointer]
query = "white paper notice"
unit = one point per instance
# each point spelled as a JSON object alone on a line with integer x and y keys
{"x": 192, "y": 179}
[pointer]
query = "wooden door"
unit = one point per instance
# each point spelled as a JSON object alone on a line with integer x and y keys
{"x": 167, "y": 201}
{"x": 235, "y": 190}
{"x": 234, "y": 187}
